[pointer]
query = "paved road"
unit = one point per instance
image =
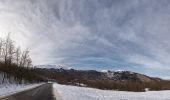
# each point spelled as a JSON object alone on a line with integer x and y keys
{"x": 43, "y": 92}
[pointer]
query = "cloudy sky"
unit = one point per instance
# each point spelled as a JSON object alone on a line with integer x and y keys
{"x": 92, "y": 34}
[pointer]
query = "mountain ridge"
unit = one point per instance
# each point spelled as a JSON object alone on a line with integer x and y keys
{"x": 115, "y": 75}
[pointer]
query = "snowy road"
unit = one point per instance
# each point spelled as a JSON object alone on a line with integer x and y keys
{"x": 43, "y": 92}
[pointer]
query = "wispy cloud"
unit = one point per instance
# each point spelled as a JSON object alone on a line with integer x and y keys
{"x": 92, "y": 34}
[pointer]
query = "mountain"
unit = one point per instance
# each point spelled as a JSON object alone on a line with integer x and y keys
{"x": 117, "y": 76}
{"x": 127, "y": 76}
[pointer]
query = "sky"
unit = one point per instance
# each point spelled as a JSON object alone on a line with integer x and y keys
{"x": 129, "y": 35}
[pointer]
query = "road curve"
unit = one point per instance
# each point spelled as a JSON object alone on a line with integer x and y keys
{"x": 43, "y": 92}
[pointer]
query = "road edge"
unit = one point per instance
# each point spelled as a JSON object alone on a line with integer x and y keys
{"x": 56, "y": 95}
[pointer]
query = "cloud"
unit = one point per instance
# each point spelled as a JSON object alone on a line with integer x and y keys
{"x": 92, "y": 34}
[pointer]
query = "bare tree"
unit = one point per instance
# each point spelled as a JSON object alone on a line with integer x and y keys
{"x": 1, "y": 47}
{"x": 29, "y": 62}
{"x": 11, "y": 51}
{"x": 5, "y": 50}
{"x": 8, "y": 50}
{"x": 24, "y": 58}
{"x": 18, "y": 55}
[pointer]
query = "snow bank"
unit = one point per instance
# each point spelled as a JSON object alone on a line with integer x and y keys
{"x": 82, "y": 93}
{"x": 8, "y": 89}
{"x": 10, "y": 86}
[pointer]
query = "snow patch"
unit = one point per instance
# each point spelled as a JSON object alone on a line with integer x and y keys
{"x": 104, "y": 71}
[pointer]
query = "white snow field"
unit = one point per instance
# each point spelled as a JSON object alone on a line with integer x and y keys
{"x": 83, "y": 93}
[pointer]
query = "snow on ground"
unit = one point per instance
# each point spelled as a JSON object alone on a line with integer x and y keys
{"x": 10, "y": 86}
{"x": 7, "y": 89}
{"x": 83, "y": 93}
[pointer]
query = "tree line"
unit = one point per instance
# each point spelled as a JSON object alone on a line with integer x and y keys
{"x": 15, "y": 62}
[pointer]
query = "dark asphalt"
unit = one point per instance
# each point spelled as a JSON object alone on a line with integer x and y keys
{"x": 43, "y": 92}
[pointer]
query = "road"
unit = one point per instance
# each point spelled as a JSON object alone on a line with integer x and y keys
{"x": 43, "y": 92}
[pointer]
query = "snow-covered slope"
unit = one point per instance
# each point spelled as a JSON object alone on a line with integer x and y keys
{"x": 82, "y": 93}
{"x": 10, "y": 86}
{"x": 6, "y": 80}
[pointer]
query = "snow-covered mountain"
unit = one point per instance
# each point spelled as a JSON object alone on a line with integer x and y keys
{"x": 121, "y": 75}
{"x": 53, "y": 66}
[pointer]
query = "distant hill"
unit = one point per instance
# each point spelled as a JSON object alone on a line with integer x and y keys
{"x": 119, "y": 76}
{"x": 121, "y": 80}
